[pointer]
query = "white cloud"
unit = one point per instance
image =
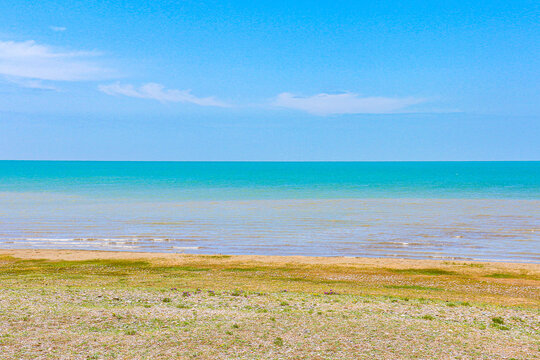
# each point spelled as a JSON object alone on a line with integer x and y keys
{"x": 347, "y": 103}
{"x": 31, "y": 60}
{"x": 158, "y": 92}
{"x": 57, "y": 28}
{"x": 31, "y": 84}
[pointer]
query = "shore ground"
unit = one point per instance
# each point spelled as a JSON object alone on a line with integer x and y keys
{"x": 63, "y": 304}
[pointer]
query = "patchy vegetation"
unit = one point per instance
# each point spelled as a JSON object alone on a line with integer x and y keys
{"x": 222, "y": 307}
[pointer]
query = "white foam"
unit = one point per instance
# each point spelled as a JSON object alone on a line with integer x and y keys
{"x": 186, "y": 247}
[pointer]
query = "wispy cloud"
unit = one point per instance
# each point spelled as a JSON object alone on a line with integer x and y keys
{"x": 31, "y": 84}
{"x": 158, "y": 92}
{"x": 57, "y": 28}
{"x": 31, "y": 60}
{"x": 346, "y": 103}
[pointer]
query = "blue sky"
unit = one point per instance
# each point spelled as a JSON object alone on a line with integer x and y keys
{"x": 270, "y": 80}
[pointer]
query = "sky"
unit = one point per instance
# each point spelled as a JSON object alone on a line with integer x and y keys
{"x": 270, "y": 80}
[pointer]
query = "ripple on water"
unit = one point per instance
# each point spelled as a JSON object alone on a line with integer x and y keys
{"x": 423, "y": 228}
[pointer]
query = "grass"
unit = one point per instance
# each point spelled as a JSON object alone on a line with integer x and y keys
{"x": 413, "y": 287}
{"x": 498, "y": 323}
{"x": 512, "y": 276}
{"x": 210, "y": 271}
{"x": 432, "y": 272}
{"x": 204, "y": 307}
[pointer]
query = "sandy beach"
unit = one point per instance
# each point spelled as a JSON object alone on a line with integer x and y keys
{"x": 66, "y": 304}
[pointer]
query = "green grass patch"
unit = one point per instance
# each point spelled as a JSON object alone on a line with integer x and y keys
{"x": 498, "y": 323}
{"x": 97, "y": 263}
{"x": 510, "y": 276}
{"x": 473, "y": 265}
{"x": 246, "y": 269}
{"x": 256, "y": 268}
{"x": 157, "y": 269}
{"x": 423, "y": 271}
{"x": 72, "y": 268}
{"x": 413, "y": 287}
{"x": 500, "y": 327}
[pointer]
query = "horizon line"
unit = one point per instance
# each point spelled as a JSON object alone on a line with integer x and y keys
{"x": 266, "y": 161}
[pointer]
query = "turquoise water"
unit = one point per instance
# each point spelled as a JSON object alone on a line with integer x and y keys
{"x": 274, "y": 180}
{"x": 448, "y": 210}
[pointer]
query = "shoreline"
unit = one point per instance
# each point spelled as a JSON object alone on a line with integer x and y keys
{"x": 78, "y": 255}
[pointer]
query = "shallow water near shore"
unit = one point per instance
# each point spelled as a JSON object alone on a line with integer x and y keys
{"x": 473, "y": 211}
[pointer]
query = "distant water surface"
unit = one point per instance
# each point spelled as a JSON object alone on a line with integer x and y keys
{"x": 442, "y": 210}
